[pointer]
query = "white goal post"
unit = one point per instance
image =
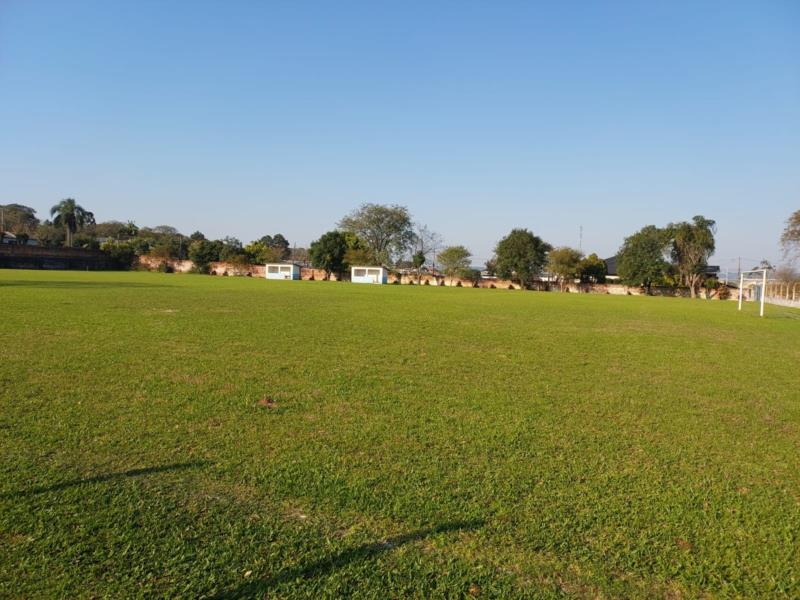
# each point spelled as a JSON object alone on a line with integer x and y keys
{"x": 763, "y": 291}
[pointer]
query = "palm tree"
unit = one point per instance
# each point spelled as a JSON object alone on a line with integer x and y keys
{"x": 71, "y": 216}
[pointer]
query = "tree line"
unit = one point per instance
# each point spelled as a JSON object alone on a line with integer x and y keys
{"x": 674, "y": 255}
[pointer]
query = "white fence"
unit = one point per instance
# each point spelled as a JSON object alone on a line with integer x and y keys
{"x": 782, "y": 301}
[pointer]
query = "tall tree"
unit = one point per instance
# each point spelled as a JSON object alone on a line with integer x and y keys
{"x": 328, "y": 252}
{"x": 455, "y": 261}
{"x": 18, "y": 219}
{"x": 642, "y": 258}
{"x": 592, "y": 269}
{"x": 202, "y": 253}
{"x": 71, "y": 216}
{"x": 131, "y": 229}
{"x": 278, "y": 243}
{"x": 564, "y": 263}
{"x": 231, "y": 249}
{"x": 692, "y": 245}
{"x": 790, "y": 239}
{"x": 386, "y": 230}
{"x": 259, "y": 253}
{"x": 418, "y": 261}
{"x": 424, "y": 247}
{"x": 520, "y": 256}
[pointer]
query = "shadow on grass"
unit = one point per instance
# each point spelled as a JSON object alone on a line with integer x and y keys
{"x": 328, "y": 565}
{"x": 107, "y": 477}
{"x": 65, "y": 284}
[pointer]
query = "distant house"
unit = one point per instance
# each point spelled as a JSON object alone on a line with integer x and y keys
{"x": 377, "y": 275}
{"x": 285, "y": 271}
{"x": 612, "y": 275}
{"x": 21, "y": 240}
{"x": 611, "y": 269}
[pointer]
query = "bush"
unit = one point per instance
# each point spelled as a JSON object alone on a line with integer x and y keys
{"x": 165, "y": 267}
{"x": 124, "y": 254}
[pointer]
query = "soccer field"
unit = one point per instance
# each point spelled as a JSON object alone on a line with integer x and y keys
{"x": 192, "y": 436}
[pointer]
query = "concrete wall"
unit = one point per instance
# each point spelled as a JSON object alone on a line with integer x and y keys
{"x": 310, "y": 274}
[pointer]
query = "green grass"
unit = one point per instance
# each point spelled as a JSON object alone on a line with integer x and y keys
{"x": 421, "y": 441}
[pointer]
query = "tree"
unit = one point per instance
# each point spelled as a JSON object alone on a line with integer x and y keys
{"x": 231, "y": 249}
{"x": 564, "y": 262}
{"x": 299, "y": 255}
{"x": 790, "y": 239}
{"x": 520, "y": 256}
{"x": 131, "y": 230}
{"x": 114, "y": 229}
{"x": 163, "y": 252}
{"x": 328, "y": 252}
{"x": 455, "y": 261}
{"x": 202, "y": 253}
{"x": 359, "y": 256}
{"x": 49, "y": 235}
{"x": 386, "y": 230}
{"x": 18, "y": 219}
{"x": 166, "y": 230}
{"x": 71, "y": 216}
{"x": 592, "y": 269}
{"x": 641, "y": 260}
{"x": 121, "y": 252}
{"x": 418, "y": 261}
{"x": 692, "y": 245}
{"x": 259, "y": 253}
{"x": 278, "y": 243}
{"x": 424, "y": 247}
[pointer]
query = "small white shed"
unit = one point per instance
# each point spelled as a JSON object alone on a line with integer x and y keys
{"x": 377, "y": 275}
{"x": 282, "y": 271}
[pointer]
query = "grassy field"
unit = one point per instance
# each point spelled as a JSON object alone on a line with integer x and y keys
{"x": 191, "y": 436}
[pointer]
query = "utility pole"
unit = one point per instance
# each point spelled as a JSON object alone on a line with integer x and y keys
{"x": 580, "y": 239}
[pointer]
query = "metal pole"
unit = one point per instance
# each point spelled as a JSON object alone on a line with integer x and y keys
{"x": 763, "y": 291}
{"x": 741, "y": 282}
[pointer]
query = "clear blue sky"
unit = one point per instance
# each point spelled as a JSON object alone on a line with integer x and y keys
{"x": 241, "y": 118}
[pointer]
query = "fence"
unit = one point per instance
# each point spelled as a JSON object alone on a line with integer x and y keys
{"x": 14, "y": 256}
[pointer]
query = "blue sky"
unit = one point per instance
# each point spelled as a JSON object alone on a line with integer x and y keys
{"x": 250, "y": 118}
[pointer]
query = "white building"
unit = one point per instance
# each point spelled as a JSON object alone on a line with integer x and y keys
{"x": 287, "y": 271}
{"x": 379, "y": 275}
